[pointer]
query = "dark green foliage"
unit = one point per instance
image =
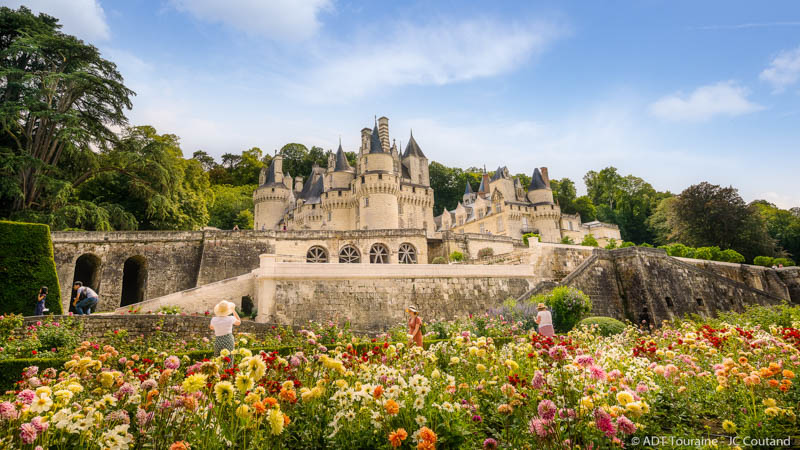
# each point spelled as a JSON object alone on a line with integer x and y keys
{"x": 606, "y": 326}
{"x": 732, "y": 256}
{"x": 11, "y": 369}
{"x": 785, "y": 262}
{"x": 645, "y": 245}
{"x": 26, "y": 264}
{"x": 568, "y": 306}
{"x": 765, "y": 261}
{"x": 229, "y": 202}
{"x": 612, "y": 244}
{"x": 589, "y": 241}
{"x": 626, "y": 244}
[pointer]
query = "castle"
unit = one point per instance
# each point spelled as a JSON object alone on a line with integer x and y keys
{"x": 387, "y": 191}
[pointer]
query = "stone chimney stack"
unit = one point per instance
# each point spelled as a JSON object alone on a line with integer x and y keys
{"x": 545, "y": 177}
{"x": 365, "y": 135}
{"x": 383, "y": 132}
{"x": 298, "y": 184}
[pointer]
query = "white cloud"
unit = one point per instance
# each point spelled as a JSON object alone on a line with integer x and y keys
{"x": 278, "y": 19}
{"x": 784, "y": 70}
{"x": 82, "y": 18}
{"x": 785, "y": 201}
{"x": 724, "y": 98}
{"x": 436, "y": 54}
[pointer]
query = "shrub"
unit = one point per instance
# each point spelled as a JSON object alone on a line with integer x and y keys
{"x": 64, "y": 336}
{"x": 589, "y": 241}
{"x": 26, "y": 264}
{"x": 785, "y": 261}
{"x": 765, "y": 261}
{"x": 568, "y": 306}
{"x": 567, "y": 240}
{"x": 731, "y": 255}
{"x": 702, "y": 253}
{"x": 626, "y": 244}
{"x": 456, "y": 256}
{"x": 530, "y": 235}
{"x": 169, "y": 310}
{"x": 646, "y": 245}
{"x": 606, "y": 326}
{"x": 485, "y": 252}
{"x": 439, "y": 260}
{"x": 612, "y": 244}
{"x": 247, "y": 305}
{"x": 677, "y": 250}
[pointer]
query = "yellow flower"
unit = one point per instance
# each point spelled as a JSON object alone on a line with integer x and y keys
{"x": 244, "y": 412}
{"x": 106, "y": 379}
{"x": 341, "y": 384}
{"x": 224, "y": 391}
{"x": 769, "y": 402}
{"x": 435, "y": 373}
{"x": 728, "y": 426}
{"x": 772, "y": 411}
{"x": 624, "y": 397}
{"x": 454, "y": 360}
{"x": 480, "y": 367}
{"x": 194, "y": 383}
{"x": 44, "y": 391}
{"x": 252, "y": 398}
{"x": 244, "y": 383}
{"x": 275, "y": 419}
{"x": 511, "y": 364}
{"x": 634, "y": 409}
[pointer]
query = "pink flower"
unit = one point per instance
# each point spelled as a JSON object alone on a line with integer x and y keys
{"x": 625, "y": 425}
{"x": 172, "y": 362}
{"x": 558, "y": 353}
{"x": 8, "y": 411}
{"x": 614, "y": 374}
{"x": 27, "y": 432}
{"x": 603, "y": 421}
{"x": 538, "y": 427}
{"x": 538, "y": 380}
{"x": 597, "y": 372}
{"x": 641, "y": 388}
{"x": 26, "y": 396}
{"x": 584, "y": 360}
{"x": 40, "y": 425}
{"x": 547, "y": 410}
{"x": 489, "y": 444}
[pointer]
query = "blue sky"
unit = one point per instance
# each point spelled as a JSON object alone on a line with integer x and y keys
{"x": 673, "y": 92}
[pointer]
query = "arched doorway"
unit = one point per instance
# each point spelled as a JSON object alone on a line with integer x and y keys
{"x": 134, "y": 280}
{"x": 87, "y": 271}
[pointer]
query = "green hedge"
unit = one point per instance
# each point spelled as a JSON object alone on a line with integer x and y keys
{"x": 26, "y": 264}
{"x": 606, "y": 326}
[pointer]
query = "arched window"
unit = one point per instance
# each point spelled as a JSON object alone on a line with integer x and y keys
{"x": 317, "y": 254}
{"x": 407, "y": 254}
{"x": 349, "y": 255}
{"x": 134, "y": 280}
{"x": 379, "y": 254}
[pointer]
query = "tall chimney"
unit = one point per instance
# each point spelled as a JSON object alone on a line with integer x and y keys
{"x": 298, "y": 184}
{"x": 545, "y": 177}
{"x": 383, "y": 132}
{"x": 365, "y": 135}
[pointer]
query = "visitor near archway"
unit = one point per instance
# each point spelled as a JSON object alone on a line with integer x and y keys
{"x": 222, "y": 323}
{"x": 40, "y": 299}
{"x": 545, "y": 321}
{"x": 414, "y": 327}
{"x": 90, "y": 300}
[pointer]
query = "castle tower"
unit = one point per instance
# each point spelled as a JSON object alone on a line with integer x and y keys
{"x": 469, "y": 195}
{"x": 539, "y": 189}
{"x": 271, "y": 197}
{"x": 546, "y": 214}
{"x": 377, "y": 187}
{"x": 416, "y": 163}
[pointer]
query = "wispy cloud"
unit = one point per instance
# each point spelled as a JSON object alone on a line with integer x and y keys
{"x": 784, "y": 70}
{"x": 278, "y": 19}
{"x": 744, "y": 26}
{"x": 82, "y": 18}
{"x": 725, "y": 98}
{"x": 435, "y": 54}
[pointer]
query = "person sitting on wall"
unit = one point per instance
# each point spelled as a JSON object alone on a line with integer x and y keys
{"x": 222, "y": 323}
{"x": 544, "y": 319}
{"x": 89, "y": 301}
{"x": 414, "y": 327}
{"x": 236, "y": 228}
{"x": 40, "y": 309}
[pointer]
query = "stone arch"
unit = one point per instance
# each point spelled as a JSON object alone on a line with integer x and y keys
{"x": 317, "y": 254}
{"x": 407, "y": 253}
{"x": 134, "y": 280}
{"x": 379, "y": 254}
{"x": 87, "y": 271}
{"x": 349, "y": 254}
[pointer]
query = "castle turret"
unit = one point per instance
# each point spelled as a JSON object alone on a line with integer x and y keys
{"x": 377, "y": 187}
{"x": 342, "y": 173}
{"x": 298, "y": 184}
{"x": 271, "y": 197}
{"x": 539, "y": 189}
{"x": 416, "y": 163}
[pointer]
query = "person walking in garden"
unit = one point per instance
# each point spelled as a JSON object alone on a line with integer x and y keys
{"x": 40, "y": 299}
{"x": 545, "y": 321}
{"x": 222, "y": 323}
{"x": 90, "y": 300}
{"x": 414, "y": 327}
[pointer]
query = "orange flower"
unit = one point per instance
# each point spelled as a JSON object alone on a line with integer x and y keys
{"x": 765, "y": 372}
{"x": 786, "y": 382}
{"x": 426, "y": 434}
{"x": 742, "y": 360}
{"x": 784, "y": 387}
{"x": 270, "y": 401}
{"x": 164, "y": 377}
{"x": 391, "y": 407}
{"x": 288, "y": 395}
{"x": 150, "y": 395}
{"x": 774, "y": 383}
{"x": 189, "y": 403}
{"x": 378, "y": 391}
{"x": 397, "y": 437}
{"x": 286, "y": 420}
{"x": 259, "y": 408}
{"x": 788, "y": 374}
{"x": 426, "y": 445}
{"x": 180, "y": 445}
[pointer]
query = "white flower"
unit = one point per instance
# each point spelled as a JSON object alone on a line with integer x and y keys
{"x": 419, "y": 403}
{"x": 421, "y": 420}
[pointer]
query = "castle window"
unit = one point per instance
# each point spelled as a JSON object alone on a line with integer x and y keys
{"x": 313, "y": 206}
{"x": 349, "y": 255}
{"x": 330, "y": 215}
{"x": 407, "y": 254}
{"x": 379, "y": 254}
{"x": 317, "y": 254}
{"x": 273, "y": 189}
{"x": 362, "y": 179}
{"x": 380, "y": 176}
{"x": 669, "y": 302}
{"x": 525, "y": 223}
{"x": 413, "y": 189}
{"x": 570, "y": 225}
{"x": 366, "y": 202}
{"x": 340, "y": 193}
{"x": 699, "y": 301}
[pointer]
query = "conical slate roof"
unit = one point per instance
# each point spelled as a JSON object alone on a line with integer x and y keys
{"x": 499, "y": 173}
{"x": 468, "y": 189}
{"x": 412, "y": 148}
{"x": 341, "y": 161}
{"x": 375, "y": 143}
{"x": 270, "y": 179}
{"x": 537, "y": 181}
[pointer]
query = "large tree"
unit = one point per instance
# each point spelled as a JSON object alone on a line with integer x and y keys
{"x": 57, "y": 96}
{"x": 783, "y": 226}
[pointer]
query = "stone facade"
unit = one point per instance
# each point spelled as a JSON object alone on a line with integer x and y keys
{"x": 386, "y": 190}
{"x": 503, "y": 207}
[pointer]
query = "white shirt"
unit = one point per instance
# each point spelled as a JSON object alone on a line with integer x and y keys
{"x": 88, "y": 291}
{"x": 223, "y": 325}
{"x": 545, "y": 318}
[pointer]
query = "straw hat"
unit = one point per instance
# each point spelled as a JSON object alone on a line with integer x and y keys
{"x": 541, "y": 306}
{"x": 413, "y": 309}
{"x": 224, "y": 308}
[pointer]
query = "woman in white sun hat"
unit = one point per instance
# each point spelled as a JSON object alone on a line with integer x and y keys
{"x": 414, "y": 327}
{"x": 222, "y": 323}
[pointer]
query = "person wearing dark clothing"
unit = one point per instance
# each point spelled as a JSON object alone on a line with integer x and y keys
{"x": 40, "y": 309}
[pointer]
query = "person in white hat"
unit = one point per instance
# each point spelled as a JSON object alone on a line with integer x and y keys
{"x": 414, "y": 327}
{"x": 545, "y": 321}
{"x": 222, "y": 323}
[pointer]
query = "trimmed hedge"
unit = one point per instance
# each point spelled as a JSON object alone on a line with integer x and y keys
{"x": 606, "y": 326}
{"x": 26, "y": 264}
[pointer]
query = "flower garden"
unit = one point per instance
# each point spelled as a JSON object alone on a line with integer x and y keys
{"x": 486, "y": 382}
